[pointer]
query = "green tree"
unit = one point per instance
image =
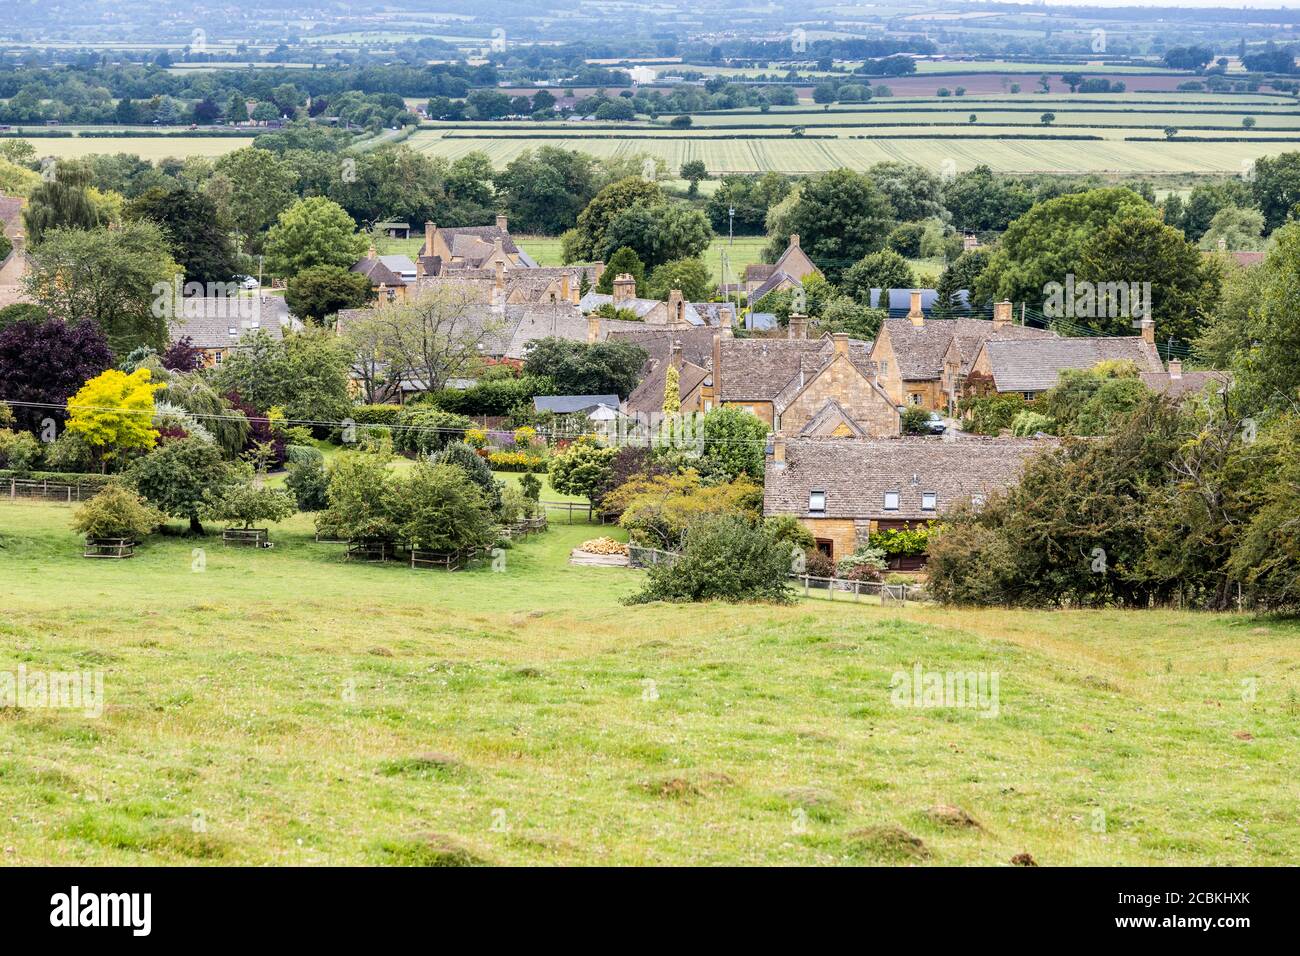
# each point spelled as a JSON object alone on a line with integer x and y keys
{"x": 726, "y": 558}
{"x": 181, "y": 477}
{"x": 1276, "y": 186}
{"x": 690, "y": 276}
{"x": 116, "y": 512}
{"x": 198, "y": 239}
{"x": 1238, "y": 229}
{"x": 313, "y": 232}
{"x": 603, "y": 208}
{"x": 111, "y": 277}
{"x": 734, "y": 443}
{"x": 62, "y": 201}
{"x": 440, "y": 509}
{"x": 578, "y": 368}
{"x": 658, "y": 233}
{"x": 840, "y": 216}
{"x": 883, "y": 270}
{"x": 624, "y": 261}
{"x": 583, "y": 468}
{"x": 253, "y": 186}
{"x": 693, "y": 171}
{"x": 546, "y": 189}
{"x": 320, "y": 291}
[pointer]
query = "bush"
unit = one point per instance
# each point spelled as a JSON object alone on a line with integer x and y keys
{"x": 989, "y": 414}
{"x": 245, "y": 504}
{"x": 726, "y": 559}
{"x": 375, "y": 414}
{"x": 1028, "y": 424}
{"x": 441, "y": 509}
{"x": 660, "y": 510}
{"x": 423, "y": 429}
{"x": 864, "y": 564}
{"x": 531, "y": 487}
{"x": 308, "y": 483}
{"x": 116, "y": 512}
{"x": 901, "y": 541}
{"x": 70, "y": 452}
{"x": 818, "y": 564}
{"x": 970, "y": 564}
{"x": 788, "y": 530}
{"x": 582, "y": 469}
{"x": 475, "y": 468}
{"x": 20, "y": 452}
{"x": 361, "y": 499}
{"x": 916, "y": 420}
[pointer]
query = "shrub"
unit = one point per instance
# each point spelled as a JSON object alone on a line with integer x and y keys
{"x": 441, "y": 509}
{"x": 734, "y": 442}
{"x": 1026, "y": 424}
{"x": 116, "y": 512}
{"x": 818, "y": 564}
{"x": 582, "y": 469}
{"x": 361, "y": 499}
{"x": 726, "y": 558}
{"x": 423, "y": 429}
{"x": 864, "y": 564}
{"x": 531, "y": 487}
{"x": 916, "y": 420}
{"x": 70, "y": 452}
{"x": 20, "y": 452}
{"x": 308, "y": 483}
{"x": 659, "y": 510}
{"x": 302, "y": 454}
{"x": 971, "y": 564}
{"x": 245, "y": 504}
{"x": 375, "y": 414}
{"x": 789, "y": 530}
{"x": 180, "y": 477}
{"x": 475, "y": 468}
{"x": 989, "y": 414}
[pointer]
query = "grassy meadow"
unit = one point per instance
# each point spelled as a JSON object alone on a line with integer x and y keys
{"x": 288, "y": 707}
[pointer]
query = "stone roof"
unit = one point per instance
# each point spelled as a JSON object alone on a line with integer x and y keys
{"x": 467, "y": 235}
{"x": 855, "y": 474}
{"x": 1185, "y": 384}
{"x": 771, "y": 283}
{"x": 214, "y": 322}
{"x": 1035, "y": 365}
{"x": 812, "y": 364}
{"x": 972, "y": 333}
{"x": 642, "y": 307}
{"x": 697, "y": 361}
{"x": 378, "y": 273}
{"x": 919, "y": 349}
{"x": 830, "y": 415}
{"x": 761, "y": 370}
{"x": 758, "y": 271}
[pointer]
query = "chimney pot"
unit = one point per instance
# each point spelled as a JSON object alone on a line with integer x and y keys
{"x": 624, "y": 287}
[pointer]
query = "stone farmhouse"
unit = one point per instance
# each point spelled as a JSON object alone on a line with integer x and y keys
{"x": 843, "y": 491}
{"x": 219, "y": 326}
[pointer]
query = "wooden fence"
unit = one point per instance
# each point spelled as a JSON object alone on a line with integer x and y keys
{"x": 639, "y": 557}
{"x": 67, "y": 492}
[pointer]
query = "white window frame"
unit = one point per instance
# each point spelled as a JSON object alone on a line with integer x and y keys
{"x": 898, "y": 500}
{"x": 812, "y": 497}
{"x": 932, "y": 497}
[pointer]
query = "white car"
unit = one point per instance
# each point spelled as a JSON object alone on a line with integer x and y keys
{"x": 247, "y": 282}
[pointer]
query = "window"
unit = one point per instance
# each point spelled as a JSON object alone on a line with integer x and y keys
{"x": 891, "y": 500}
{"x": 826, "y": 547}
{"x": 929, "y": 500}
{"x": 816, "y": 501}
{"x": 914, "y": 398}
{"x": 216, "y": 356}
{"x": 884, "y": 366}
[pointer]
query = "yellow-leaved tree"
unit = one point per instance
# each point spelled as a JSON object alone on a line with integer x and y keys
{"x": 114, "y": 413}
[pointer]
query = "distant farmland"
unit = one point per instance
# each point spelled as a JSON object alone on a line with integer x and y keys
{"x": 1122, "y": 133}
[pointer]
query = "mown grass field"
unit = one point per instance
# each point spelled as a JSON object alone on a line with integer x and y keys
{"x": 287, "y": 707}
{"x": 152, "y": 148}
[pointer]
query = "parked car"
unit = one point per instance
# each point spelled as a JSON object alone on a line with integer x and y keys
{"x": 247, "y": 282}
{"x": 937, "y": 424}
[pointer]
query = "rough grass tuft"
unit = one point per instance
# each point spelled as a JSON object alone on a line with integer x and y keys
{"x": 889, "y": 842}
{"x": 430, "y": 849}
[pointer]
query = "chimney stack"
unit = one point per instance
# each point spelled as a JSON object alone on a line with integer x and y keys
{"x": 725, "y": 321}
{"x": 716, "y": 371}
{"x": 794, "y": 240}
{"x": 565, "y": 294}
{"x": 1001, "y": 315}
{"x": 593, "y": 329}
{"x": 501, "y": 223}
{"x": 429, "y": 229}
{"x": 778, "y": 448}
{"x": 1223, "y": 244}
{"x": 500, "y": 280}
{"x": 1175, "y": 368}
{"x": 841, "y": 340}
{"x": 1148, "y": 327}
{"x": 676, "y": 355}
{"x": 798, "y": 326}
{"x": 624, "y": 287}
{"x": 915, "y": 313}
{"x": 676, "y": 307}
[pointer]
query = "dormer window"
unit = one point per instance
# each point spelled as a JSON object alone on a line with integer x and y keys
{"x": 929, "y": 500}
{"x": 817, "y": 501}
{"x": 891, "y": 500}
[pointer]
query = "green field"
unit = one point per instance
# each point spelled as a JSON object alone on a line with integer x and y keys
{"x": 936, "y": 132}
{"x": 287, "y": 707}
{"x": 146, "y": 147}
